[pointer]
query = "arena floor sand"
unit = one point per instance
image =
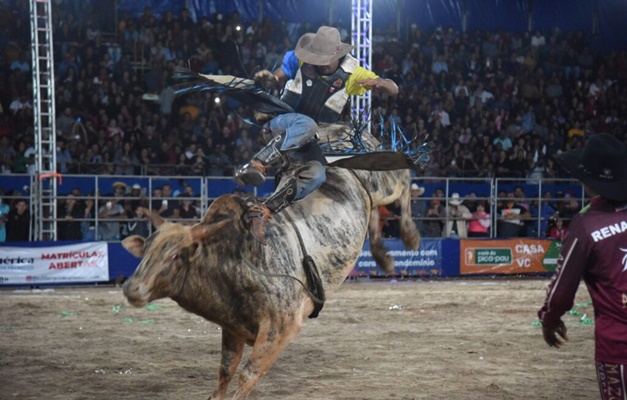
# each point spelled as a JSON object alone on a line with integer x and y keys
{"x": 442, "y": 339}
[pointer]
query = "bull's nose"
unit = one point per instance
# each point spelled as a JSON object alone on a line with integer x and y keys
{"x": 127, "y": 288}
{"x": 133, "y": 294}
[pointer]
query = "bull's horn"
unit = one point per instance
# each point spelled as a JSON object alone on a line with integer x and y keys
{"x": 205, "y": 231}
{"x": 154, "y": 218}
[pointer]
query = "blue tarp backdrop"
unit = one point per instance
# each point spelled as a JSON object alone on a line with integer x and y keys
{"x": 511, "y": 15}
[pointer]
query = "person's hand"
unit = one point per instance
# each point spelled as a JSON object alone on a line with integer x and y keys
{"x": 265, "y": 79}
{"x": 552, "y": 333}
{"x": 376, "y": 83}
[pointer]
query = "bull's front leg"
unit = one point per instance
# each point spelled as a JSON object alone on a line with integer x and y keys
{"x": 270, "y": 342}
{"x": 232, "y": 350}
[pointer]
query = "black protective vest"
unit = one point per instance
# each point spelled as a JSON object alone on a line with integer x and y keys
{"x": 322, "y": 97}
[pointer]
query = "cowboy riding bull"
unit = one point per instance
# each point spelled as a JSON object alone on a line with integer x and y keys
{"x": 218, "y": 270}
{"x": 257, "y": 267}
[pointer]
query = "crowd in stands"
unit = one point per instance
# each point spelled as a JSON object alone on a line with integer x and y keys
{"x": 495, "y": 103}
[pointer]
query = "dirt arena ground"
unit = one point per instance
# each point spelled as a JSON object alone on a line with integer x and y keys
{"x": 442, "y": 339}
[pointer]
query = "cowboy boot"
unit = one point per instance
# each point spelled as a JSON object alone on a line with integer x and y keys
{"x": 259, "y": 214}
{"x": 254, "y": 172}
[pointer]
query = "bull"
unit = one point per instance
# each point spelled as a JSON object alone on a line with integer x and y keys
{"x": 215, "y": 269}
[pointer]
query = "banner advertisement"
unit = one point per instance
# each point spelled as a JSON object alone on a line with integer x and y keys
{"x": 427, "y": 260}
{"x": 81, "y": 262}
{"x": 508, "y": 256}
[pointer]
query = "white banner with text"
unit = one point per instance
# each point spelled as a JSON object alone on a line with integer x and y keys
{"x": 81, "y": 262}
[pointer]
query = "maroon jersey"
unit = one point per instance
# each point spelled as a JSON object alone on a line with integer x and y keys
{"x": 595, "y": 249}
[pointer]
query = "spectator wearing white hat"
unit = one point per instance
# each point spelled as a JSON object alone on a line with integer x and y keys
{"x": 457, "y": 217}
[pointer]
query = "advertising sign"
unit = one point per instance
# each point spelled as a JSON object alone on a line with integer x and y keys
{"x": 81, "y": 262}
{"x": 511, "y": 256}
{"x": 427, "y": 260}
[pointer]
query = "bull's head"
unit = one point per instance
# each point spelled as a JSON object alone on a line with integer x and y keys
{"x": 166, "y": 257}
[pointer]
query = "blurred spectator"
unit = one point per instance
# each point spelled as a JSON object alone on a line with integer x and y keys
{"x": 88, "y": 226}
{"x": 385, "y": 215}
{"x": 457, "y": 217}
{"x": 392, "y": 226}
{"x": 480, "y": 223}
{"x": 136, "y": 223}
{"x": 169, "y": 207}
{"x": 18, "y": 222}
{"x": 114, "y": 211}
{"x": 511, "y": 218}
{"x": 559, "y": 231}
{"x": 65, "y": 122}
{"x": 135, "y": 198}
{"x": 187, "y": 210}
{"x": 68, "y": 223}
{"x": 435, "y": 215}
{"x": 568, "y": 208}
{"x": 4, "y": 214}
{"x": 119, "y": 189}
{"x": 544, "y": 211}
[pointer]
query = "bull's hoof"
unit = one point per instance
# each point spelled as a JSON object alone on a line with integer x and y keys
{"x": 387, "y": 264}
{"x": 413, "y": 242}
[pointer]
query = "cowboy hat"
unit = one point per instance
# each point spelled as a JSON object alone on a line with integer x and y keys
{"x": 119, "y": 183}
{"x": 455, "y": 200}
{"x": 601, "y": 165}
{"x": 420, "y": 190}
{"x": 321, "y": 48}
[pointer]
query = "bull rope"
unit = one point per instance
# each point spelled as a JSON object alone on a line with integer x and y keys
{"x": 271, "y": 275}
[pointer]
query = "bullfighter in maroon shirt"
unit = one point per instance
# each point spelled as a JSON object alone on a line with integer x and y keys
{"x": 596, "y": 249}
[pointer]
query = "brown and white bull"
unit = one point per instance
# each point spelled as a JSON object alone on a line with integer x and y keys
{"x": 202, "y": 267}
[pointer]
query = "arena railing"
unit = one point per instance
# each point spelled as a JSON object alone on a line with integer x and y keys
{"x": 203, "y": 190}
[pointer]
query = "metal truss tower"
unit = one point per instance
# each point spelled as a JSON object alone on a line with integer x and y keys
{"x": 43, "y": 183}
{"x": 361, "y": 24}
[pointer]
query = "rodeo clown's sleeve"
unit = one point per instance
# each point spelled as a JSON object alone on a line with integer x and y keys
{"x": 571, "y": 263}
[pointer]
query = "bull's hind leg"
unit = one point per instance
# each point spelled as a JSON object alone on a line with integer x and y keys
{"x": 409, "y": 232}
{"x": 378, "y": 250}
{"x": 232, "y": 350}
{"x": 270, "y": 342}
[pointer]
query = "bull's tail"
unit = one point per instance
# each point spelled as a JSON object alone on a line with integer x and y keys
{"x": 409, "y": 232}
{"x": 378, "y": 250}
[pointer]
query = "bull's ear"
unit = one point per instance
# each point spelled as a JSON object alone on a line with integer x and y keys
{"x": 205, "y": 231}
{"x": 135, "y": 245}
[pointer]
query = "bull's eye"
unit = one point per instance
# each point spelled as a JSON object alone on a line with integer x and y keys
{"x": 176, "y": 257}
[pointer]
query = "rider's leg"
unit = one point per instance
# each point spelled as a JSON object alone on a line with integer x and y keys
{"x": 304, "y": 180}
{"x": 290, "y": 132}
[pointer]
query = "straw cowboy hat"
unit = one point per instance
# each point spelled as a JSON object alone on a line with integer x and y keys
{"x": 119, "y": 184}
{"x": 455, "y": 200}
{"x": 321, "y": 48}
{"x": 420, "y": 189}
{"x": 601, "y": 165}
